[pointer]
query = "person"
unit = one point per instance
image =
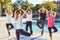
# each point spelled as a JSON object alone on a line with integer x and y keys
{"x": 29, "y": 20}
{"x": 9, "y": 15}
{"x": 51, "y": 25}
{"x": 41, "y": 21}
{"x": 19, "y": 27}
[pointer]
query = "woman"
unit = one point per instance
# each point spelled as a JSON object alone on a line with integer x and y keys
{"x": 19, "y": 27}
{"x": 51, "y": 25}
{"x": 41, "y": 22}
{"x": 8, "y": 20}
{"x": 29, "y": 20}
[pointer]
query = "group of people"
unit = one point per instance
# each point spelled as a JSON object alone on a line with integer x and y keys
{"x": 20, "y": 13}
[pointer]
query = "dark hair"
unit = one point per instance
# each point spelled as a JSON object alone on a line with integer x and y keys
{"x": 28, "y": 10}
{"x": 17, "y": 11}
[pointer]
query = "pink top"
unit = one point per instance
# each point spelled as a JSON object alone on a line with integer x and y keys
{"x": 51, "y": 22}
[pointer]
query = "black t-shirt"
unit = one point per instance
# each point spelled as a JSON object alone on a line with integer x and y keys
{"x": 43, "y": 15}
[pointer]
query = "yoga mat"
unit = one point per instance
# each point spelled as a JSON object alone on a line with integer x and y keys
{"x": 30, "y": 38}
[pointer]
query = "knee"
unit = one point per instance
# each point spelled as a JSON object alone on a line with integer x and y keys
{"x": 55, "y": 30}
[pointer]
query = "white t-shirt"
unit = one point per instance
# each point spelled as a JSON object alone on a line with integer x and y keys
{"x": 29, "y": 17}
{"x": 8, "y": 18}
{"x": 19, "y": 23}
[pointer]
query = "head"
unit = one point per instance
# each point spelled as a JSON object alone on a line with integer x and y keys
{"x": 17, "y": 14}
{"x": 51, "y": 13}
{"x": 29, "y": 11}
{"x": 8, "y": 11}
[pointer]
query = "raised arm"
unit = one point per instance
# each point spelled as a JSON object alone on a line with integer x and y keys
{"x": 15, "y": 15}
{"x": 55, "y": 14}
{"x": 23, "y": 13}
{"x": 6, "y": 11}
{"x": 39, "y": 10}
{"x": 23, "y": 10}
{"x": 11, "y": 12}
{"x": 31, "y": 11}
{"x": 47, "y": 13}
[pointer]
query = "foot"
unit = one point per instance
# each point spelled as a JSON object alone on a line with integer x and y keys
{"x": 8, "y": 35}
{"x": 41, "y": 34}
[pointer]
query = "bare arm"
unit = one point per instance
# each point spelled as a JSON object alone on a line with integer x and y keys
{"x": 23, "y": 10}
{"x": 31, "y": 11}
{"x": 5, "y": 11}
{"x": 39, "y": 10}
{"x": 11, "y": 12}
{"x": 47, "y": 13}
{"x": 23, "y": 13}
{"x": 15, "y": 15}
{"x": 55, "y": 14}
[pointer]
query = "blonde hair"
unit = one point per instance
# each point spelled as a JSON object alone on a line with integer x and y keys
{"x": 8, "y": 11}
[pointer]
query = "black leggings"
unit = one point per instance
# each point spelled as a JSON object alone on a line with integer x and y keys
{"x": 22, "y": 32}
{"x": 40, "y": 24}
{"x": 29, "y": 23}
{"x": 50, "y": 31}
{"x": 9, "y": 24}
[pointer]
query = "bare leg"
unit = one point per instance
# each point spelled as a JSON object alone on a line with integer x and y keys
{"x": 50, "y": 38}
{"x": 42, "y": 24}
{"x": 19, "y": 35}
{"x": 42, "y": 31}
{"x": 8, "y": 31}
